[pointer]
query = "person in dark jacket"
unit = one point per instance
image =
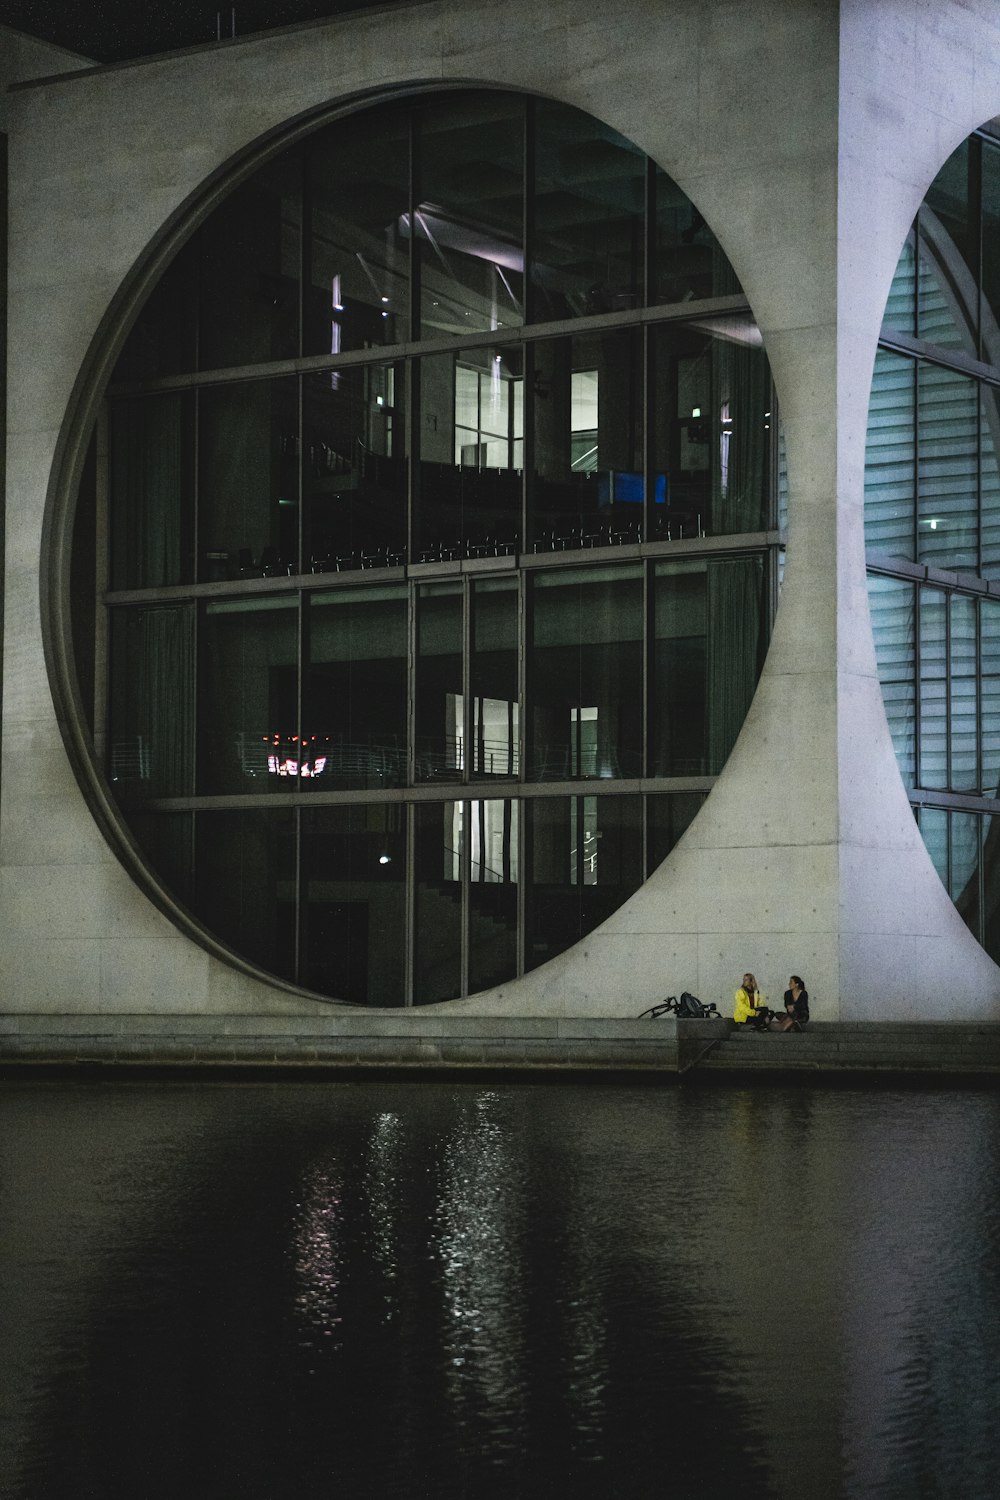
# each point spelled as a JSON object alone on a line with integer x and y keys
{"x": 796, "y": 1006}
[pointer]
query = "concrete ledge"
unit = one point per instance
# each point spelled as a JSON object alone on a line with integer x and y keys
{"x": 355, "y": 1039}
{"x": 863, "y": 1047}
{"x": 412, "y": 1040}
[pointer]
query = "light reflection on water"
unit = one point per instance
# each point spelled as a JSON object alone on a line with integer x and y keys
{"x": 408, "y": 1289}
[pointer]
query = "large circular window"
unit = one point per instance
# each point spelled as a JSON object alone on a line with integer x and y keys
{"x": 435, "y": 530}
{"x": 932, "y": 524}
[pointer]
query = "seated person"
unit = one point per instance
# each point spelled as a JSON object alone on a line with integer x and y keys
{"x": 750, "y": 1006}
{"x": 796, "y": 1006}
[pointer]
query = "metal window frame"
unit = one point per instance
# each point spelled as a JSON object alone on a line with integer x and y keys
{"x": 304, "y": 585}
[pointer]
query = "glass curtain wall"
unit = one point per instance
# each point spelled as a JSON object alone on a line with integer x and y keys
{"x": 441, "y": 546}
{"x": 932, "y": 490}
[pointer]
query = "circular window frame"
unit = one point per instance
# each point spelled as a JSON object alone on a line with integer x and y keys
{"x": 73, "y": 441}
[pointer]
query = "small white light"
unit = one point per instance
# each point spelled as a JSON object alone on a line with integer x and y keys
{"x": 934, "y": 525}
{"x": 696, "y": 411}
{"x": 385, "y": 299}
{"x": 383, "y": 859}
{"x": 385, "y": 315}
{"x": 379, "y": 400}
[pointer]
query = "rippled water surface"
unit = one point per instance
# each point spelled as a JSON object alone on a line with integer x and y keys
{"x": 385, "y": 1289}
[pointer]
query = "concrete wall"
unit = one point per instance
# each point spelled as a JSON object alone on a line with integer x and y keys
{"x": 23, "y": 57}
{"x": 806, "y": 134}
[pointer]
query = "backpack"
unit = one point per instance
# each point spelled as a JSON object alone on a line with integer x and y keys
{"x": 687, "y": 1008}
{"x": 690, "y": 1008}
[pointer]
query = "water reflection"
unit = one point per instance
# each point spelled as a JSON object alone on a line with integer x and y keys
{"x": 365, "y": 1290}
{"x": 383, "y": 1180}
{"x": 479, "y": 1224}
{"x": 315, "y": 1247}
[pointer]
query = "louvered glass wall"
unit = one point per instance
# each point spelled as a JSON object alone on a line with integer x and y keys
{"x": 932, "y": 526}
{"x": 443, "y": 549}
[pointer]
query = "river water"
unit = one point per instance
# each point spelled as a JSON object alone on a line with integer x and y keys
{"x": 380, "y": 1289}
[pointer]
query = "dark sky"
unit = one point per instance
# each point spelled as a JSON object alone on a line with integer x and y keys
{"x": 109, "y": 30}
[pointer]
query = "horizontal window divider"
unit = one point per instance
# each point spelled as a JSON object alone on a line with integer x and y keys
{"x": 735, "y": 545}
{"x": 450, "y": 791}
{"x": 250, "y": 587}
{"x": 672, "y": 312}
{"x": 955, "y": 801}
{"x": 943, "y": 578}
{"x": 460, "y": 565}
{"x": 694, "y": 546}
{"x": 897, "y": 342}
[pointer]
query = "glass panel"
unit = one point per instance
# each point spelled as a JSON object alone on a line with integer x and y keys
{"x": 151, "y": 702}
{"x": 687, "y": 259}
{"x": 890, "y": 457}
{"x": 439, "y": 856}
{"x": 354, "y": 703}
{"x": 678, "y": 690}
{"x": 469, "y": 218}
{"x": 584, "y": 674}
{"x": 964, "y": 886}
{"x": 84, "y": 597}
{"x": 668, "y": 817}
{"x": 588, "y": 216}
{"x": 250, "y": 255}
{"x": 947, "y": 468}
{"x": 354, "y": 903}
{"x": 989, "y": 690}
{"x": 962, "y": 709}
{"x": 901, "y": 308}
{"x": 355, "y": 473}
{"x": 166, "y": 841}
{"x": 737, "y": 642}
{"x": 164, "y": 338}
{"x": 947, "y": 312}
{"x": 584, "y": 859}
{"x": 989, "y": 481}
{"x": 493, "y": 678}
{"x": 893, "y": 623}
{"x": 934, "y": 831}
{"x": 358, "y": 278}
{"x": 711, "y": 429}
{"x": 245, "y": 884}
{"x": 933, "y": 689}
{"x": 991, "y": 887}
{"x": 782, "y": 479}
{"x": 440, "y": 701}
{"x": 152, "y": 491}
{"x": 991, "y": 253}
{"x": 248, "y": 479}
{"x": 247, "y": 701}
{"x": 471, "y": 454}
{"x": 710, "y": 634}
{"x": 493, "y": 877}
{"x": 587, "y": 486}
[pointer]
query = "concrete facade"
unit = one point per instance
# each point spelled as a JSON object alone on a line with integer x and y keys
{"x": 807, "y": 134}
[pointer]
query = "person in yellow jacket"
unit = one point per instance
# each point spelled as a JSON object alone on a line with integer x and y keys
{"x": 749, "y": 1004}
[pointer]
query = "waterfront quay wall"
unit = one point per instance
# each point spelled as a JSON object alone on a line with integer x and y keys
{"x": 411, "y": 1041}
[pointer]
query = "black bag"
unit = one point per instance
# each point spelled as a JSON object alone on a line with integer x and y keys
{"x": 690, "y": 1008}
{"x": 687, "y": 1008}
